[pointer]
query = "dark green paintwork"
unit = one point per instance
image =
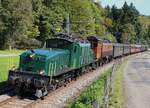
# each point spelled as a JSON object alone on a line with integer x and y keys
{"x": 54, "y": 61}
{"x": 81, "y": 55}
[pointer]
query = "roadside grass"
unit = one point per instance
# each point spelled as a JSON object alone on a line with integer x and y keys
{"x": 6, "y": 63}
{"x": 117, "y": 99}
{"x": 93, "y": 92}
{"x": 11, "y": 51}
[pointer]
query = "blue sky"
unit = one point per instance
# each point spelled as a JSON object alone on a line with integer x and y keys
{"x": 143, "y": 6}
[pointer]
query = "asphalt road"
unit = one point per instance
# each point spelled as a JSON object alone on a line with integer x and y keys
{"x": 137, "y": 82}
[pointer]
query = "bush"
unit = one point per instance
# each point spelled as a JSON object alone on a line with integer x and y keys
{"x": 27, "y": 43}
{"x": 93, "y": 92}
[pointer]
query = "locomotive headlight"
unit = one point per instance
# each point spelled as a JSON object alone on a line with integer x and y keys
{"x": 42, "y": 72}
{"x": 32, "y": 55}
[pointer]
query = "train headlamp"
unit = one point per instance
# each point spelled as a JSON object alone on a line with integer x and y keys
{"x": 42, "y": 72}
{"x": 32, "y": 55}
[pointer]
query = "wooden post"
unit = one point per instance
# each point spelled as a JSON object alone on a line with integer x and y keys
{"x": 106, "y": 99}
{"x": 10, "y": 48}
{"x": 95, "y": 104}
{"x": 111, "y": 79}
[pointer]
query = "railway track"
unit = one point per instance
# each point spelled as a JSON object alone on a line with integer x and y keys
{"x": 46, "y": 98}
{"x": 15, "y": 102}
{"x": 8, "y": 99}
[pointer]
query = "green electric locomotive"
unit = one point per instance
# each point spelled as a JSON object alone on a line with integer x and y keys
{"x": 61, "y": 59}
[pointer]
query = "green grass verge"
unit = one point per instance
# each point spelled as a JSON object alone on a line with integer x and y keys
{"x": 117, "y": 100}
{"x": 6, "y": 63}
{"x": 94, "y": 92}
{"x": 11, "y": 52}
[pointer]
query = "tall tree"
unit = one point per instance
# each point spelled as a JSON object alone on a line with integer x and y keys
{"x": 82, "y": 17}
{"x": 128, "y": 34}
{"x": 19, "y": 19}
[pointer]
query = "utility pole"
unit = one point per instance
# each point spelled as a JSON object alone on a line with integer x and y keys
{"x": 68, "y": 24}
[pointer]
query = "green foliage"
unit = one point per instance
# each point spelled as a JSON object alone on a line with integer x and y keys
{"x": 93, "y": 92}
{"x": 82, "y": 17}
{"x": 127, "y": 24}
{"x": 144, "y": 29}
{"x": 129, "y": 14}
{"x": 17, "y": 19}
{"x": 6, "y": 64}
{"x": 117, "y": 99}
{"x": 110, "y": 37}
{"x": 41, "y": 19}
{"x": 128, "y": 34}
{"x": 96, "y": 92}
{"x": 33, "y": 32}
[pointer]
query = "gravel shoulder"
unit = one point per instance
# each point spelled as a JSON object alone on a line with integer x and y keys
{"x": 137, "y": 81}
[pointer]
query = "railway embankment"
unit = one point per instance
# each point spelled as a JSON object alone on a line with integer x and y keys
{"x": 63, "y": 95}
{"x": 95, "y": 95}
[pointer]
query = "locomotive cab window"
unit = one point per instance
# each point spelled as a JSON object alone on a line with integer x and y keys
{"x": 58, "y": 43}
